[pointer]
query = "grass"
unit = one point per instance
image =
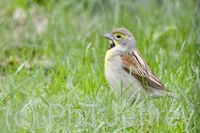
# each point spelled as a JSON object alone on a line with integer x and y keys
{"x": 51, "y": 65}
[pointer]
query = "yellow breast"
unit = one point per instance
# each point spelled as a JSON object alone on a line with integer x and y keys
{"x": 109, "y": 54}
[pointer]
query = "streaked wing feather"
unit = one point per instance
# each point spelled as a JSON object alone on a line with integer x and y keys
{"x": 134, "y": 63}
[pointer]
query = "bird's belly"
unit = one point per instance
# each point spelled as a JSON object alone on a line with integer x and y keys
{"x": 120, "y": 80}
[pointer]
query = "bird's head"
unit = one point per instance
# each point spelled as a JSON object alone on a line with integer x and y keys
{"x": 121, "y": 40}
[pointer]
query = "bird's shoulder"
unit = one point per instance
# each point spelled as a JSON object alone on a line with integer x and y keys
{"x": 134, "y": 64}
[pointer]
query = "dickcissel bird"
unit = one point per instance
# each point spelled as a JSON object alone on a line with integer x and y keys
{"x": 126, "y": 70}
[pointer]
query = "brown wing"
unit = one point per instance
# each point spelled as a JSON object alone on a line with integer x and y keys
{"x": 134, "y": 63}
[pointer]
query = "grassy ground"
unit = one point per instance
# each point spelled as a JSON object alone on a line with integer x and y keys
{"x": 51, "y": 65}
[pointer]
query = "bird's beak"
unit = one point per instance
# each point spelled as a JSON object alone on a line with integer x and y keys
{"x": 111, "y": 39}
{"x": 108, "y": 36}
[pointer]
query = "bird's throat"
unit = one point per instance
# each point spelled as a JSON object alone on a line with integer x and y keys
{"x": 112, "y": 45}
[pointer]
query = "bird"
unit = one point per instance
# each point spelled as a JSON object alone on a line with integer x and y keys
{"x": 126, "y": 71}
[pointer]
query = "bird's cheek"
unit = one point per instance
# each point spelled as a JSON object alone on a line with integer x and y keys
{"x": 123, "y": 43}
{"x": 115, "y": 42}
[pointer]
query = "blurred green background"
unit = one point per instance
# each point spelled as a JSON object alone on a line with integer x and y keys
{"x": 52, "y": 52}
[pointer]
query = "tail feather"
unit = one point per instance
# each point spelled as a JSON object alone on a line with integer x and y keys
{"x": 172, "y": 95}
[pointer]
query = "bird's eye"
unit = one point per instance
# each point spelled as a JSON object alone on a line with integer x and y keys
{"x": 118, "y": 36}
